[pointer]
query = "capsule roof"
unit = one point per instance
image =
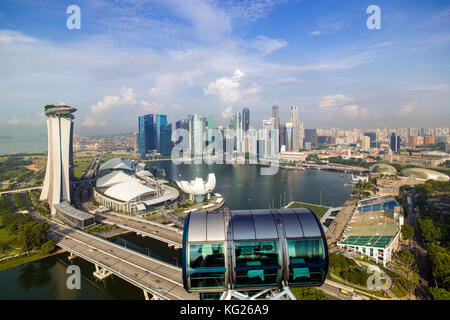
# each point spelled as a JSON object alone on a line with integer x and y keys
{"x": 252, "y": 225}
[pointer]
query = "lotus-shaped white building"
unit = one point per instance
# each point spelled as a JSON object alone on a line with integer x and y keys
{"x": 198, "y": 188}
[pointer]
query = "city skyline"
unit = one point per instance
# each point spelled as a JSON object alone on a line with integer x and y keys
{"x": 220, "y": 57}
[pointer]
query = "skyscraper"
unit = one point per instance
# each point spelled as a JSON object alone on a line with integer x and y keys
{"x": 245, "y": 119}
{"x": 59, "y": 171}
{"x": 373, "y": 138}
{"x": 211, "y": 126}
{"x": 276, "y": 124}
{"x": 239, "y": 132}
{"x": 146, "y": 134}
{"x": 295, "y": 129}
{"x": 395, "y": 142}
{"x": 198, "y": 135}
{"x": 161, "y": 122}
{"x": 311, "y": 136}
{"x": 288, "y": 136}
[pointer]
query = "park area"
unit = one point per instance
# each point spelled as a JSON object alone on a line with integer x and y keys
{"x": 318, "y": 210}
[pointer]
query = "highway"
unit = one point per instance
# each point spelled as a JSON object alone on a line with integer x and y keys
{"x": 170, "y": 235}
{"x": 161, "y": 280}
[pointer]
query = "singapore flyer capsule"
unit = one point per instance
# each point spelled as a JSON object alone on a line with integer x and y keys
{"x": 253, "y": 250}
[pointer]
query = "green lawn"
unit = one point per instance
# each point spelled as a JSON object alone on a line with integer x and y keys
{"x": 80, "y": 166}
{"x": 318, "y": 210}
{"x": 15, "y": 262}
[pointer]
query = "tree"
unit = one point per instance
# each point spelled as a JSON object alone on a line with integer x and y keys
{"x": 4, "y": 246}
{"x": 440, "y": 262}
{"x": 25, "y": 239}
{"x": 406, "y": 265}
{"x": 48, "y": 246}
{"x": 407, "y": 232}
{"x": 308, "y": 294}
{"x": 439, "y": 294}
{"x": 430, "y": 232}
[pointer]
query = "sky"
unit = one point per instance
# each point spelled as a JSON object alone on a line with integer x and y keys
{"x": 174, "y": 57}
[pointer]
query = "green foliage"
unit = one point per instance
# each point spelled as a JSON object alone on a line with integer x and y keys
{"x": 48, "y": 246}
{"x": 14, "y": 167}
{"x": 19, "y": 202}
{"x": 406, "y": 265}
{"x": 319, "y": 211}
{"x": 350, "y": 162}
{"x": 4, "y": 247}
{"x": 439, "y": 294}
{"x": 407, "y": 232}
{"x": 430, "y": 232}
{"x": 308, "y": 294}
{"x": 440, "y": 262}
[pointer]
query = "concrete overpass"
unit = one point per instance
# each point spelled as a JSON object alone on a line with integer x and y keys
{"x": 159, "y": 279}
{"x": 20, "y": 190}
{"x": 169, "y": 235}
{"x": 338, "y": 167}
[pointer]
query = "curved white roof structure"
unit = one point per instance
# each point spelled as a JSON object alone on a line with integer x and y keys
{"x": 421, "y": 173}
{"x": 127, "y": 191}
{"x": 113, "y": 178}
{"x": 117, "y": 164}
{"x": 198, "y": 186}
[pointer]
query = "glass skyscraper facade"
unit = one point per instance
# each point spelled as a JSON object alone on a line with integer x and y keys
{"x": 146, "y": 134}
{"x": 163, "y": 135}
{"x": 245, "y": 119}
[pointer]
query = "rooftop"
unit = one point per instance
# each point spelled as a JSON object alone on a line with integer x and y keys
{"x": 71, "y": 211}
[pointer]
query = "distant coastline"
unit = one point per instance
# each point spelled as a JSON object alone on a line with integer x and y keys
{"x": 22, "y": 144}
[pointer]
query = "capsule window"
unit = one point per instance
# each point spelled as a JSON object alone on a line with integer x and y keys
{"x": 206, "y": 255}
{"x": 257, "y": 263}
{"x": 307, "y": 261}
{"x": 207, "y": 262}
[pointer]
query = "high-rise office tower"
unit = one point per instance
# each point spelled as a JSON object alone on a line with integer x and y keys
{"x": 283, "y": 136}
{"x": 211, "y": 126}
{"x": 198, "y": 135}
{"x": 163, "y": 135}
{"x": 161, "y": 122}
{"x": 245, "y": 119}
{"x": 276, "y": 124}
{"x": 239, "y": 132}
{"x": 395, "y": 142}
{"x": 288, "y": 135}
{"x": 266, "y": 136}
{"x": 295, "y": 129}
{"x": 365, "y": 143}
{"x": 59, "y": 171}
{"x": 311, "y": 136}
{"x": 373, "y": 138}
{"x": 146, "y": 130}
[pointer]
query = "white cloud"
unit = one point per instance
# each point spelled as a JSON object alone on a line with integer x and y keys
{"x": 227, "y": 88}
{"x": 125, "y": 102}
{"x": 268, "y": 45}
{"x": 353, "y": 111}
{"x": 405, "y": 110}
{"x": 334, "y": 101}
{"x": 429, "y": 87}
{"x": 284, "y": 80}
{"x": 227, "y": 113}
{"x": 8, "y": 36}
{"x": 38, "y": 120}
{"x": 342, "y": 104}
{"x": 315, "y": 33}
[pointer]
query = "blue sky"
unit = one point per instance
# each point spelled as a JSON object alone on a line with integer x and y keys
{"x": 178, "y": 57}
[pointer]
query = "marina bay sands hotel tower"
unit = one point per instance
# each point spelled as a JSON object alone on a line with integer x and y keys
{"x": 59, "y": 172}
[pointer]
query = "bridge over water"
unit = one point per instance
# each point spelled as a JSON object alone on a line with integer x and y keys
{"x": 159, "y": 279}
